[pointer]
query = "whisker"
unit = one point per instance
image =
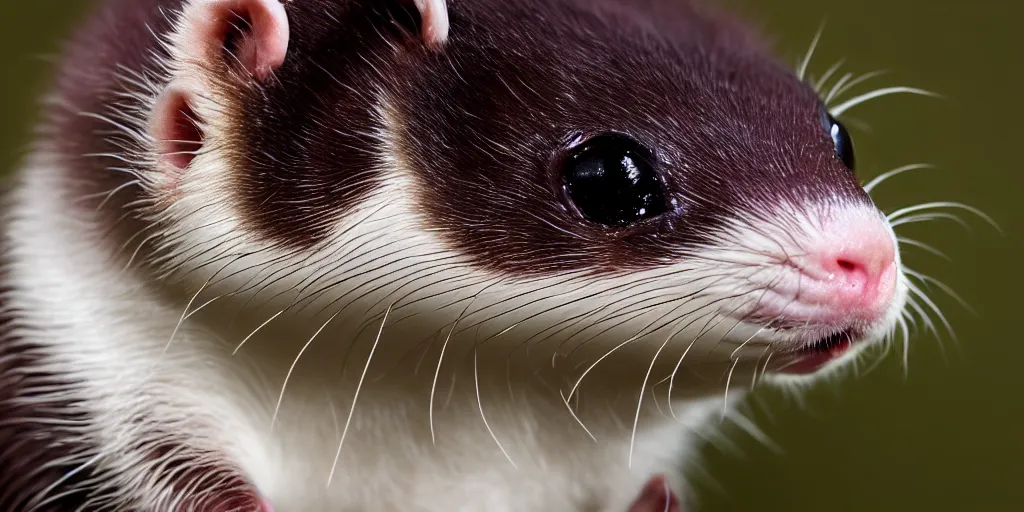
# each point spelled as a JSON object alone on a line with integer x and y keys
{"x": 476, "y": 378}
{"x": 640, "y": 398}
{"x": 672, "y": 378}
{"x": 881, "y": 178}
{"x": 595, "y": 363}
{"x": 845, "y": 84}
{"x": 839, "y": 83}
{"x": 440, "y": 359}
{"x": 355, "y": 396}
{"x": 638, "y": 308}
{"x": 728, "y": 382}
{"x": 748, "y": 340}
{"x": 906, "y": 346}
{"x": 574, "y": 416}
{"x": 109, "y": 195}
{"x": 923, "y": 246}
{"x": 853, "y": 102}
{"x": 944, "y": 204}
{"x": 646, "y": 330}
{"x": 291, "y": 369}
{"x": 184, "y": 314}
{"x": 923, "y": 315}
{"x": 928, "y": 217}
{"x": 767, "y": 360}
{"x": 802, "y": 70}
{"x": 204, "y": 306}
{"x": 753, "y": 379}
{"x": 828, "y": 74}
{"x": 931, "y": 304}
{"x": 942, "y": 286}
{"x": 253, "y": 333}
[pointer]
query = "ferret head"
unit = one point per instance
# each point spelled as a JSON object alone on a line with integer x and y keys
{"x": 551, "y": 173}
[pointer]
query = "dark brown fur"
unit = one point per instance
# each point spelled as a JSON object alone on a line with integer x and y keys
{"x": 735, "y": 132}
{"x": 482, "y": 123}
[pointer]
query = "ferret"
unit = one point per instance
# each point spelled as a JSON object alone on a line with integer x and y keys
{"x": 355, "y": 255}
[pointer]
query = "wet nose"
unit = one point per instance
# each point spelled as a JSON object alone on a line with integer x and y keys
{"x": 857, "y": 261}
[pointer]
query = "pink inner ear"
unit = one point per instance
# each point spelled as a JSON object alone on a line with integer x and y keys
{"x": 239, "y": 42}
{"x": 656, "y": 496}
{"x": 176, "y": 129}
{"x": 255, "y": 32}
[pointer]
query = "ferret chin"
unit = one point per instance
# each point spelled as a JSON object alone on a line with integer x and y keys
{"x": 416, "y": 255}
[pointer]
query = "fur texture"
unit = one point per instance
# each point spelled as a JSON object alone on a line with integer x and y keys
{"x": 366, "y": 290}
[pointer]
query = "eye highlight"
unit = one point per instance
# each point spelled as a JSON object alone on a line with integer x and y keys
{"x": 612, "y": 180}
{"x": 840, "y": 139}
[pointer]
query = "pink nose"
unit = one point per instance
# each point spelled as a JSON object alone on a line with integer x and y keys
{"x": 855, "y": 265}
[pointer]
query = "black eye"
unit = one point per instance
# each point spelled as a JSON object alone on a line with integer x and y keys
{"x": 612, "y": 180}
{"x": 840, "y": 139}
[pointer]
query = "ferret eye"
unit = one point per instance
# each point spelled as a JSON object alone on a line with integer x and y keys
{"x": 840, "y": 138}
{"x": 611, "y": 179}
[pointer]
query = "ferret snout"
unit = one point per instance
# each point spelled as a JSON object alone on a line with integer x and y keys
{"x": 854, "y": 267}
{"x": 838, "y": 270}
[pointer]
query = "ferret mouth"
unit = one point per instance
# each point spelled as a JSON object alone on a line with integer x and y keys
{"x": 814, "y": 355}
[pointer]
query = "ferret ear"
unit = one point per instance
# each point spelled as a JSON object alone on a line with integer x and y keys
{"x": 433, "y": 20}
{"x": 251, "y": 34}
{"x": 175, "y": 128}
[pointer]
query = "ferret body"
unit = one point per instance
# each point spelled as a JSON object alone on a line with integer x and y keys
{"x": 347, "y": 255}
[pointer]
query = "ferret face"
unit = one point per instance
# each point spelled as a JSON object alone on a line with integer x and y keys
{"x": 696, "y": 162}
{"x": 585, "y": 179}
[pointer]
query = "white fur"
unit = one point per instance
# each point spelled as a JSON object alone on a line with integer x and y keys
{"x": 113, "y": 333}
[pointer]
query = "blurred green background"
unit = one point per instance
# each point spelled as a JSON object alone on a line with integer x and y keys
{"x": 949, "y": 436}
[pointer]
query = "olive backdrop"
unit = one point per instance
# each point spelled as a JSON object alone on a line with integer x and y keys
{"x": 949, "y": 435}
